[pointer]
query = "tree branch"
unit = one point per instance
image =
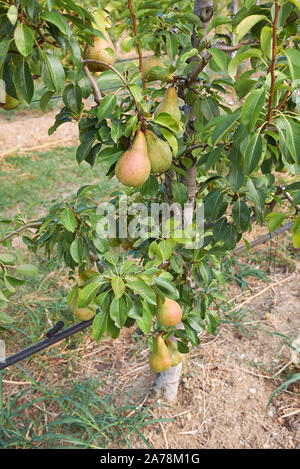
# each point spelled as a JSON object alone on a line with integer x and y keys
{"x": 86, "y": 61}
{"x": 272, "y": 67}
{"x": 138, "y": 44}
{"x": 96, "y": 91}
{"x": 33, "y": 224}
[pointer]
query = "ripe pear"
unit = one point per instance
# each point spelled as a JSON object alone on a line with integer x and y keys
{"x": 170, "y": 104}
{"x": 161, "y": 359}
{"x": 102, "y": 50}
{"x": 175, "y": 354}
{"x": 159, "y": 153}
{"x": 133, "y": 168}
{"x": 84, "y": 314}
{"x": 152, "y": 75}
{"x": 168, "y": 313}
{"x": 10, "y": 103}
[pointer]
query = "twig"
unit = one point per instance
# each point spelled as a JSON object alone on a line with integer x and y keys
{"x": 138, "y": 44}
{"x": 226, "y": 48}
{"x": 272, "y": 67}
{"x": 86, "y": 61}
{"x": 19, "y": 230}
{"x": 96, "y": 91}
{"x": 285, "y": 98}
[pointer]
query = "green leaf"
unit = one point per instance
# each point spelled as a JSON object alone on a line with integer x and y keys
{"x": 275, "y": 220}
{"x": 99, "y": 325}
{"x": 224, "y": 124}
{"x": 296, "y": 233}
{"x": 180, "y": 192}
{"x": 118, "y": 287}
{"x": 293, "y": 58}
{"x": 292, "y": 137}
{"x": 166, "y": 120}
{"x": 167, "y": 286}
{"x": 58, "y": 20}
{"x": 12, "y": 14}
{"x": 246, "y": 24}
{"x": 145, "y": 322}
{"x": 106, "y": 106}
{"x": 88, "y": 293}
{"x": 266, "y": 41}
{"x": 7, "y": 259}
{"x": 52, "y": 72}
{"x": 252, "y": 108}
{"x": 296, "y": 2}
{"x": 4, "y": 46}
{"x": 283, "y": 386}
{"x": 253, "y": 153}
{"x": 76, "y": 250}
{"x": 220, "y": 58}
{"x": 72, "y": 97}
{"x": 118, "y": 312}
{"x": 166, "y": 248}
{"x": 28, "y": 270}
{"x": 5, "y": 319}
{"x": 171, "y": 139}
{"x": 23, "y": 81}
{"x": 140, "y": 287}
{"x": 24, "y": 39}
{"x": 241, "y": 215}
{"x": 240, "y": 57}
{"x": 68, "y": 220}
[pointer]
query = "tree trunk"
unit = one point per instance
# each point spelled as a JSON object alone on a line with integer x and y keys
{"x": 167, "y": 382}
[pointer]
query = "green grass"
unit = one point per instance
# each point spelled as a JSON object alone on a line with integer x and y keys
{"x": 77, "y": 418}
{"x": 29, "y": 183}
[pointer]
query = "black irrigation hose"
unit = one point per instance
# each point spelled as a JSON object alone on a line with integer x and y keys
{"x": 54, "y": 336}
{"x": 264, "y": 238}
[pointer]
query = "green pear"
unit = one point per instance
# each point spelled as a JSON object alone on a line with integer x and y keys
{"x": 168, "y": 313}
{"x": 154, "y": 69}
{"x": 102, "y": 50}
{"x": 175, "y": 354}
{"x": 133, "y": 168}
{"x": 83, "y": 314}
{"x": 161, "y": 359}
{"x": 159, "y": 153}
{"x": 86, "y": 276}
{"x": 10, "y": 103}
{"x": 170, "y": 104}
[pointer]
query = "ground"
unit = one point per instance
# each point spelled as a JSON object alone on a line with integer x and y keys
{"x": 226, "y": 382}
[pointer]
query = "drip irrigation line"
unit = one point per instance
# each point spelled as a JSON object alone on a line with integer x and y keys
{"x": 56, "y": 334}
{"x": 53, "y": 336}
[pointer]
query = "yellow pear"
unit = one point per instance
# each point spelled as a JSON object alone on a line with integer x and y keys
{"x": 175, "y": 354}
{"x": 159, "y": 153}
{"x": 133, "y": 168}
{"x": 102, "y": 50}
{"x": 84, "y": 314}
{"x": 168, "y": 313}
{"x": 10, "y": 103}
{"x": 158, "y": 74}
{"x": 170, "y": 104}
{"x": 161, "y": 359}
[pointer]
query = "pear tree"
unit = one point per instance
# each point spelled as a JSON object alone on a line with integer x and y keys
{"x": 204, "y": 114}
